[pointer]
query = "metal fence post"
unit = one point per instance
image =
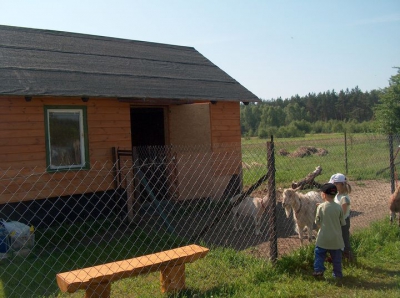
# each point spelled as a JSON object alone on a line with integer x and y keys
{"x": 272, "y": 228}
{"x": 392, "y": 182}
{"x": 345, "y": 152}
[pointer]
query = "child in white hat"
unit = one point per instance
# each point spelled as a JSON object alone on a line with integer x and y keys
{"x": 342, "y": 198}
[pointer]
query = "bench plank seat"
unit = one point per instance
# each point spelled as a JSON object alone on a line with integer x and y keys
{"x": 169, "y": 261}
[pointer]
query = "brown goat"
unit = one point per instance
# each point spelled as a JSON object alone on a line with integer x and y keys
{"x": 394, "y": 205}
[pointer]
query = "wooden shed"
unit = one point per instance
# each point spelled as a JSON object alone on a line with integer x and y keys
{"x": 67, "y": 99}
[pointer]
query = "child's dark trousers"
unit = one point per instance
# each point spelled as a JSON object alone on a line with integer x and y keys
{"x": 336, "y": 255}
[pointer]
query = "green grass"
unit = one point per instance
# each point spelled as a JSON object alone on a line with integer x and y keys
{"x": 42, "y": 266}
{"x": 225, "y": 272}
{"x": 228, "y": 273}
{"x": 366, "y": 155}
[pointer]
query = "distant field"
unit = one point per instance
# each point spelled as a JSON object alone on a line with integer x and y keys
{"x": 366, "y": 155}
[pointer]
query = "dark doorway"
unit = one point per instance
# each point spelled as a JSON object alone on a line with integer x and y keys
{"x": 147, "y": 127}
{"x": 148, "y": 148}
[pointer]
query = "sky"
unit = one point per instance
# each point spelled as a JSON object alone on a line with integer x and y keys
{"x": 273, "y": 48}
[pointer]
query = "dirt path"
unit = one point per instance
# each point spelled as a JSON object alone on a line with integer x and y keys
{"x": 369, "y": 203}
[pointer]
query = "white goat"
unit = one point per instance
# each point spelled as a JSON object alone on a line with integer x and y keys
{"x": 304, "y": 207}
{"x": 248, "y": 207}
{"x": 394, "y": 205}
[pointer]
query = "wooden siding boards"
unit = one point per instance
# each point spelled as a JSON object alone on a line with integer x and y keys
{"x": 190, "y": 125}
{"x": 24, "y": 147}
{"x": 206, "y": 173}
{"x": 225, "y": 127}
{"x": 109, "y": 125}
{"x": 189, "y": 135}
{"x": 215, "y": 148}
{"x": 226, "y": 139}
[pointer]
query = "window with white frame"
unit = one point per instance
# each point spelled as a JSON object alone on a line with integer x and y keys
{"x": 66, "y": 138}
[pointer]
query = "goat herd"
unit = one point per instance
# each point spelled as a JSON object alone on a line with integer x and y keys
{"x": 303, "y": 207}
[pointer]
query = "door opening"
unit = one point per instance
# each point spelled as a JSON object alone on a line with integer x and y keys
{"x": 147, "y": 127}
{"x": 148, "y": 147}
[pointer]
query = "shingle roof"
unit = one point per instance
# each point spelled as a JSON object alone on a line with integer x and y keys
{"x": 37, "y": 62}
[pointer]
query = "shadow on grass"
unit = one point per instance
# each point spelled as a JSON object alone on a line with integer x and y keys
{"x": 379, "y": 270}
{"x": 352, "y": 282}
{"x": 381, "y": 278}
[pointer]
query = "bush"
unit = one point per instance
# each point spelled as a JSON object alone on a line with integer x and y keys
{"x": 290, "y": 131}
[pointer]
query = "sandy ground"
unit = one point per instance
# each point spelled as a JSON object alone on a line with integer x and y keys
{"x": 369, "y": 202}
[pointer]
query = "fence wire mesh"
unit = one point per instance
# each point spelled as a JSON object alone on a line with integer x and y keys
{"x": 153, "y": 199}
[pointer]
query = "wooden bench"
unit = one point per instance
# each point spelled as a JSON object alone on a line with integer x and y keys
{"x": 96, "y": 281}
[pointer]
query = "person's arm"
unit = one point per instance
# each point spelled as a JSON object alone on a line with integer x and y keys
{"x": 344, "y": 207}
{"x": 341, "y": 218}
{"x": 318, "y": 217}
{"x": 345, "y": 204}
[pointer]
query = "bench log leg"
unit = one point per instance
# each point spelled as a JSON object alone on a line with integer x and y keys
{"x": 172, "y": 278}
{"x": 102, "y": 290}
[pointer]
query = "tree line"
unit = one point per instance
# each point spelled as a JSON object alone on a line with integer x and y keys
{"x": 347, "y": 110}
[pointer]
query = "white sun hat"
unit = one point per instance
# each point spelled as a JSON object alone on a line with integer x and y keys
{"x": 337, "y": 178}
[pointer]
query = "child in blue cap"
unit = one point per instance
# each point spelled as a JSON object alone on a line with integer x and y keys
{"x": 329, "y": 219}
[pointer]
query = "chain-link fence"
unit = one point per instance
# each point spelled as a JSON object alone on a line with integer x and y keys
{"x": 152, "y": 199}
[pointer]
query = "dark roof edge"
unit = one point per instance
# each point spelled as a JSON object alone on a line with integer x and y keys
{"x": 135, "y": 99}
{"x": 90, "y": 36}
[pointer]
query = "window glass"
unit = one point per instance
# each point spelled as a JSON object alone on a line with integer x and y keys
{"x": 66, "y": 138}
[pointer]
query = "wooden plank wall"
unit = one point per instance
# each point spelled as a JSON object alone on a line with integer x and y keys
{"x": 226, "y": 145}
{"x": 225, "y": 124}
{"x": 207, "y": 173}
{"x": 189, "y": 125}
{"x": 23, "y": 153}
{"x": 226, "y": 137}
{"x": 189, "y": 135}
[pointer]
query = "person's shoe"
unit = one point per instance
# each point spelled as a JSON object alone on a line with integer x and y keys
{"x": 318, "y": 274}
{"x": 349, "y": 257}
